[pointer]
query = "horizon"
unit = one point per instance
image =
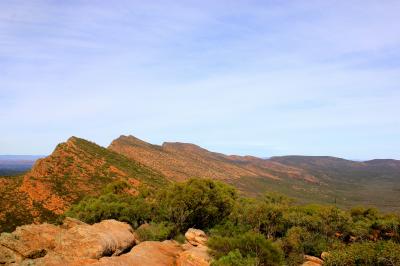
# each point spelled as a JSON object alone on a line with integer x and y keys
{"x": 39, "y": 156}
{"x": 262, "y": 78}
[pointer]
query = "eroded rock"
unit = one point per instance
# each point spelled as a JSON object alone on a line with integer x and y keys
{"x": 31, "y": 241}
{"x": 324, "y": 255}
{"x": 312, "y": 261}
{"x": 69, "y": 222}
{"x": 73, "y": 243}
{"x": 107, "y": 238}
{"x": 194, "y": 256}
{"x": 196, "y": 237}
{"x": 8, "y": 256}
{"x": 146, "y": 253}
{"x": 106, "y": 243}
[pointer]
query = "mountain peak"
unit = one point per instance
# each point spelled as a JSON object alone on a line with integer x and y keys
{"x": 76, "y": 168}
{"x": 72, "y": 139}
{"x": 129, "y": 140}
{"x": 182, "y": 146}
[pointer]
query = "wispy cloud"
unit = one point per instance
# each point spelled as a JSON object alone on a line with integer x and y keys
{"x": 276, "y": 73}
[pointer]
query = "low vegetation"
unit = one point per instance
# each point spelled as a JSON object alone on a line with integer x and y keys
{"x": 271, "y": 230}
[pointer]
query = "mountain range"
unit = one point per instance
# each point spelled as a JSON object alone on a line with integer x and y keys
{"x": 78, "y": 168}
{"x": 16, "y": 164}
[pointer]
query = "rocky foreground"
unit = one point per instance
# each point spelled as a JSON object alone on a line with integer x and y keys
{"x": 106, "y": 243}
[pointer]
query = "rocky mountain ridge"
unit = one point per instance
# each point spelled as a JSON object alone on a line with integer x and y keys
{"x": 179, "y": 161}
{"x": 79, "y": 168}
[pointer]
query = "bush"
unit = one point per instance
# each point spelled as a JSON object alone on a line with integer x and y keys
{"x": 388, "y": 253}
{"x": 250, "y": 245}
{"x": 294, "y": 239}
{"x": 264, "y": 216}
{"x": 230, "y": 229}
{"x": 111, "y": 205}
{"x": 248, "y": 231}
{"x": 314, "y": 244}
{"x": 180, "y": 238}
{"x": 235, "y": 258}
{"x": 300, "y": 241}
{"x": 366, "y": 253}
{"x": 325, "y": 220}
{"x": 199, "y": 203}
{"x": 155, "y": 232}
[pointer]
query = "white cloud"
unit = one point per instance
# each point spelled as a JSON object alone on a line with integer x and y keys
{"x": 208, "y": 72}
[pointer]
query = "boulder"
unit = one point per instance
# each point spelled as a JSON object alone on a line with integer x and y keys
{"x": 31, "y": 241}
{"x": 69, "y": 222}
{"x": 311, "y": 260}
{"x": 107, "y": 238}
{"x": 8, "y": 256}
{"x": 310, "y": 263}
{"x": 146, "y": 253}
{"x": 54, "y": 259}
{"x": 196, "y": 237}
{"x": 106, "y": 243}
{"x": 324, "y": 255}
{"x": 73, "y": 243}
{"x": 194, "y": 256}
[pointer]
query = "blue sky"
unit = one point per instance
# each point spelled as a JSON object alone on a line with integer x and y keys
{"x": 250, "y": 77}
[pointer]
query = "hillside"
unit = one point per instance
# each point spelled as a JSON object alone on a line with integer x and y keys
{"x": 75, "y": 169}
{"x": 374, "y": 182}
{"x": 180, "y": 161}
{"x": 308, "y": 179}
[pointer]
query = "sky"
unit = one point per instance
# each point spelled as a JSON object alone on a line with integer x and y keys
{"x": 264, "y": 78}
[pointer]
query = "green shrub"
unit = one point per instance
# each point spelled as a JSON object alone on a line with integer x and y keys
{"x": 326, "y": 220}
{"x": 112, "y": 205}
{"x": 300, "y": 241}
{"x": 235, "y": 258}
{"x": 155, "y": 231}
{"x": 366, "y": 253}
{"x": 250, "y": 245}
{"x": 199, "y": 203}
{"x": 180, "y": 238}
{"x": 247, "y": 231}
{"x": 314, "y": 244}
{"x": 388, "y": 253}
{"x": 230, "y": 229}
{"x": 294, "y": 239}
{"x": 264, "y": 216}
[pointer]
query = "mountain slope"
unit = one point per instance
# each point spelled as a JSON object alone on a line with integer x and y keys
{"x": 179, "y": 161}
{"x": 78, "y": 168}
{"x": 320, "y": 179}
{"x": 75, "y": 169}
{"x": 326, "y": 168}
{"x": 375, "y": 182}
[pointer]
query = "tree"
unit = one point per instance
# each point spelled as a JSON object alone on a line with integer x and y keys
{"x": 200, "y": 203}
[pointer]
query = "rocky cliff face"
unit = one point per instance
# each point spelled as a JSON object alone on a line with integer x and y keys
{"x": 106, "y": 243}
{"x": 75, "y": 169}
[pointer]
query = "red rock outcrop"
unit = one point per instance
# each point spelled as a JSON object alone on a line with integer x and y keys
{"x": 75, "y": 169}
{"x": 47, "y": 244}
{"x": 194, "y": 256}
{"x": 106, "y": 243}
{"x": 312, "y": 261}
{"x": 196, "y": 237}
